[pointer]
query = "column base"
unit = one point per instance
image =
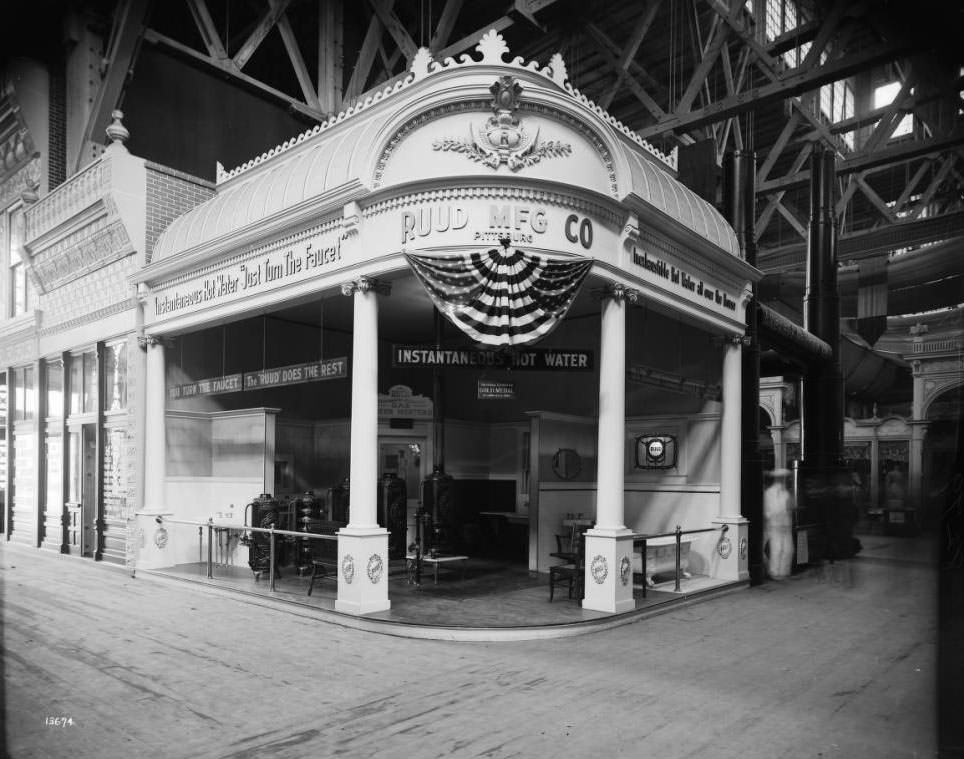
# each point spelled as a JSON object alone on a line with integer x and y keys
{"x": 730, "y": 557}
{"x": 608, "y": 579}
{"x": 152, "y": 543}
{"x": 362, "y": 570}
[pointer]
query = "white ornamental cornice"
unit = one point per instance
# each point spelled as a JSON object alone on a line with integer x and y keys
{"x": 85, "y": 189}
{"x": 520, "y": 190}
{"x": 317, "y": 217}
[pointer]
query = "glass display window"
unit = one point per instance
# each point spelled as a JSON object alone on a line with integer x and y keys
{"x": 54, "y": 370}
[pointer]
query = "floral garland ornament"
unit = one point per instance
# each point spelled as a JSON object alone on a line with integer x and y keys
{"x": 375, "y": 568}
{"x": 348, "y": 568}
{"x": 599, "y": 569}
{"x": 503, "y": 139}
{"x": 742, "y": 548}
{"x": 724, "y": 548}
{"x": 625, "y": 570}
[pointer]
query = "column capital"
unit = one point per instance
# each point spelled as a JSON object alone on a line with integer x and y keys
{"x": 617, "y": 292}
{"x": 364, "y": 285}
{"x": 147, "y": 341}
{"x": 739, "y": 340}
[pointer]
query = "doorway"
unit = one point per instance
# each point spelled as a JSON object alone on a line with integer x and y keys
{"x": 400, "y": 466}
{"x": 88, "y": 490}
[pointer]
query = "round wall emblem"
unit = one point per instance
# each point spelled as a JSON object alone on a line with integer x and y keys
{"x": 375, "y": 567}
{"x": 655, "y": 449}
{"x": 724, "y": 548}
{"x": 742, "y": 548}
{"x": 160, "y": 537}
{"x": 348, "y": 568}
{"x": 599, "y": 569}
{"x": 625, "y": 570}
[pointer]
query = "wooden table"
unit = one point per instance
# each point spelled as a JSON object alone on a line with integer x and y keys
{"x": 439, "y": 560}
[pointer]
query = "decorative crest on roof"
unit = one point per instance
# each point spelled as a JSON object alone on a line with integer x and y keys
{"x": 503, "y": 139}
{"x": 494, "y": 49}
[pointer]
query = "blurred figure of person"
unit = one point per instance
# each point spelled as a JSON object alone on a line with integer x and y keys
{"x": 778, "y": 535}
{"x": 894, "y": 486}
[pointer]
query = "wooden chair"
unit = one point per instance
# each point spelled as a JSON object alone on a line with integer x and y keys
{"x": 323, "y": 553}
{"x": 569, "y": 571}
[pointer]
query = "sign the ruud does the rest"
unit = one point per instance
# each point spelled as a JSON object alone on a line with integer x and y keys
{"x": 531, "y": 359}
{"x": 313, "y": 371}
{"x": 260, "y": 272}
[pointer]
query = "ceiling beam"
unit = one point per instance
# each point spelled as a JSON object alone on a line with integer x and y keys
{"x": 599, "y": 39}
{"x": 446, "y": 23}
{"x": 261, "y": 29}
{"x": 298, "y": 62}
{"x": 130, "y": 21}
{"x": 391, "y": 22}
{"x": 629, "y": 52}
{"x": 331, "y": 56}
{"x": 205, "y": 25}
{"x": 906, "y": 150}
{"x": 858, "y": 246}
{"x": 227, "y": 68}
{"x": 790, "y": 84}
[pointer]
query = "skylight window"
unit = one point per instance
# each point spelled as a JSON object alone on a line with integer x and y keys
{"x": 883, "y": 96}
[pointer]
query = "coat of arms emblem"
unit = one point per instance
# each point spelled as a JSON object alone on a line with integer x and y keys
{"x": 503, "y": 139}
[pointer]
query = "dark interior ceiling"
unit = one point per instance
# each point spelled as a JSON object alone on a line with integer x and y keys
{"x": 679, "y": 72}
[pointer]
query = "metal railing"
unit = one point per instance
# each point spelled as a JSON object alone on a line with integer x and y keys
{"x": 271, "y": 531}
{"x": 678, "y": 533}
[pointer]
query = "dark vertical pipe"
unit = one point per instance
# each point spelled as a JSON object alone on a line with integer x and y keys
{"x": 823, "y": 410}
{"x": 824, "y": 483}
{"x": 739, "y": 200}
{"x": 438, "y": 400}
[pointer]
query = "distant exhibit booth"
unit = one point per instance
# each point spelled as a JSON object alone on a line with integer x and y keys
{"x": 465, "y": 316}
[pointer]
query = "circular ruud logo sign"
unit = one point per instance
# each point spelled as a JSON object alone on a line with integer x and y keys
{"x": 348, "y": 568}
{"x": 375, "y": 567}
{"x": 655, "y": 449}
{"x": 625, "y": 570}
{"x": 599, "y": 569}
{"x": 724, "y": 548}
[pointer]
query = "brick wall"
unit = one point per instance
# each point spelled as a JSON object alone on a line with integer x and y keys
{"x": 170, "y": 194}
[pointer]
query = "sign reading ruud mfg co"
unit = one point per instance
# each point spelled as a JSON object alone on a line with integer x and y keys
{"x": 261, "y": 271}
{"x": 477, "y": 222}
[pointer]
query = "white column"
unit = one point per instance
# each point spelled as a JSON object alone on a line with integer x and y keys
{"x": 611, "y": 467}
{"x": 729, "y": 560}
{"x": 154, "y": 547}
{"x": 730, "y": 441}
{"x": 155, "y": 433}
{"x": 363, "y": 474}
{"x": 608, "y": 577}
{"x": 363, "y": 545}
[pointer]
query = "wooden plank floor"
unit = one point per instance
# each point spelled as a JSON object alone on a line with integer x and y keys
{"x": 492, "y": 594}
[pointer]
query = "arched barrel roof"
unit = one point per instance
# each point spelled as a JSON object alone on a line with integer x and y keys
{"x": 341, "y": 152}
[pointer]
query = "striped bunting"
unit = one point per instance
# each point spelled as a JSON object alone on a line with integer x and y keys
{"x": 501, "y": 297}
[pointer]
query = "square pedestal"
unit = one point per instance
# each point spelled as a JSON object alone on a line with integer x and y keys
{"x": 152, "y": 544}
{"x": 729, "y": 560}
{"x": 362, "y": 571}
{"x": 609, "y": 571}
